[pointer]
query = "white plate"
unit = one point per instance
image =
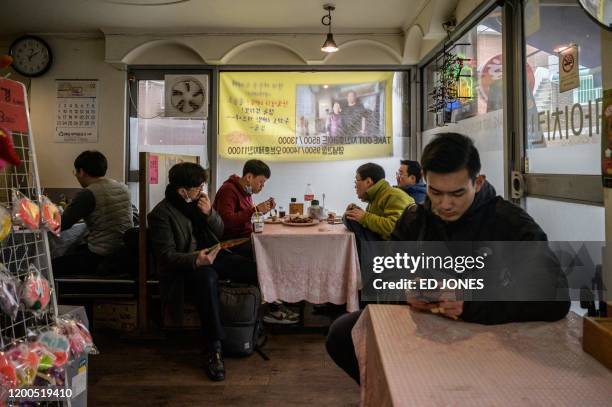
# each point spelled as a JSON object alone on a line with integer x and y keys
{"x": 314, "y": 222}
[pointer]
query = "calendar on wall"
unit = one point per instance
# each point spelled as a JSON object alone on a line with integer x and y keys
{"x": 77, "y": 111}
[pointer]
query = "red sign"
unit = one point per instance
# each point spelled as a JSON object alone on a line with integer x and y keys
{"x": 153, "y": 169}
{"x": 12, "y": 106}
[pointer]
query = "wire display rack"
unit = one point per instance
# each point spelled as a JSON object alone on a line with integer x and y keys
{"x": 24, "y": 247}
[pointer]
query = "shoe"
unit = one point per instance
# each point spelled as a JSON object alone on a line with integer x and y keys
{"x": 290, "y": 313}
{"x": 279, "y": 315}
{"x": 215, "y": 368}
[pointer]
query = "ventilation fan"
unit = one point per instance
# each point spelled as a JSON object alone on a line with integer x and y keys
{"x": 186, "y": 96}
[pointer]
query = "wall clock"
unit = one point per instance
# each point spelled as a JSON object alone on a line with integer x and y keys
{"x": 31, "y": 56}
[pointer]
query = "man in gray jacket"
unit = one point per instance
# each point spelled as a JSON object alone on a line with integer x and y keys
{"x": 184, "y": 231}
{"x": 104, "y": 204}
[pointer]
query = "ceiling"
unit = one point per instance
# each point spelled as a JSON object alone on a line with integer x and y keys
{"x": 204, "y": 16}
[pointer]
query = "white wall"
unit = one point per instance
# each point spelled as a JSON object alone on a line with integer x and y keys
{"x": 77, "y": 58}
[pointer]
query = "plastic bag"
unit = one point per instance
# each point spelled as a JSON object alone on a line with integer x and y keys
{"x": 25, "y": 361}
{"x": 58, "y": 344}
{"x": 78, "y": 335}
{"x": 25, "y": 212}
{"x": 6, "y": 223}
{"x": 9, "y": 298}
{"x": 51, "y": 219}
{"x": 8, "y": 376}
{"x": 35, "y": 291}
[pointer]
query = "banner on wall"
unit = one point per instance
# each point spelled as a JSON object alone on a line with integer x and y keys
{"x": 77, "y": 111}
{"x": 305, "y": 116}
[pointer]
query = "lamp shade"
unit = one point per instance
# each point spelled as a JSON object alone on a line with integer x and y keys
{"x": 329, "y": 45}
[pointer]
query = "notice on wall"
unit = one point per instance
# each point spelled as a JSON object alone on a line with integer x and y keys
{"x": 153, "y": 169}
{"x": 12, "y": 106}
{"x": 77, "y": 111}
{"x": 305, "y": 116}
{"x": 569, "y": 77}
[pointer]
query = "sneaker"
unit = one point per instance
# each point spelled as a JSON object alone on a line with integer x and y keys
{"x": 215, "y": 367}
{"x": 279, "y": 316}
{"x": 290, "y": 313}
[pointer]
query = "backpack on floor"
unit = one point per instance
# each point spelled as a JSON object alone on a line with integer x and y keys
{"x": 241, "y": 318}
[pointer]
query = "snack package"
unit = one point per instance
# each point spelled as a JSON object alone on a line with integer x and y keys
{"x": 25, "y": 361}
{"x": 78, "y": 335}
{"x": 35, "y": 291}
{"x": 58, "y": 344}
{"x": 9, "y": 298}
{"x": 8, "y": 376}
{"x": 25, "y": 212}
{"x": 6, "y": 223}
{"x": 51, "y": 218}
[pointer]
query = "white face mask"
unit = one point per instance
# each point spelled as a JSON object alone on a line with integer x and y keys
{"x": 248, "y": 189}
{"x": 188, "y": 200}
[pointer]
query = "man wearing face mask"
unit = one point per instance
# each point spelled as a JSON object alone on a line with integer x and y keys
{"x": 234, "y": 203}
{"x": 182, "y": 227}
{"x": 234, "y": 200}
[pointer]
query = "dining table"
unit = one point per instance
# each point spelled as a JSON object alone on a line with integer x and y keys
{"x": 315, "y": 263}
{"x": 409, "y": 358}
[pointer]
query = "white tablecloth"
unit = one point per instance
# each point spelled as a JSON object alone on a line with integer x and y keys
{"x": 417, "y": 359}
{"x": 317, "y": 264}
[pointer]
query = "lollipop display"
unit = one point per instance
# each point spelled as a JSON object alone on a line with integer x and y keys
{"x": 6, "y": 223}
{"x": 51, "y": 216}
{"x": 35, "y": 291}
{"x": 58, "y": 344}
{"x": 25, "y": 361}
{"x": 78, "y": 335}
{"x": 8, "y": 375}
{"x": 9, "y": 299}
{"x": 25, "y": 212}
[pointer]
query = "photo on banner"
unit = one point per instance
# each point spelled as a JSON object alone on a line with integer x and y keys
{"x": 305, "y": 116}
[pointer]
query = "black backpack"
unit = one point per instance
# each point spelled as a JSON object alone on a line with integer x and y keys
{"x": 241, "y": 318}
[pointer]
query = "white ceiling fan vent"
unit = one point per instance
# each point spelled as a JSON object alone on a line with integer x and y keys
{"x": 186, "y": 96}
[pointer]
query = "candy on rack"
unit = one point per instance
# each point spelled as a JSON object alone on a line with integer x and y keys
{"x": 8, "y": 155}
{"x": 35, "y": 291}
{"x": 25, "y": 361}
{"x": 6, "y": 223}
{"x": 9, "y": 298}
{"x": 51, "y": 218}
{"x": 25, "y": 212}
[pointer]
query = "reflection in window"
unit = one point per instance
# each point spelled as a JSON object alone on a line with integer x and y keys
{"x": 563, "y": 128}
{"x": 478, "y": 113}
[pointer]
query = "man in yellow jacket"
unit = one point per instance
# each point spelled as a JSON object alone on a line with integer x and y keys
{"x": 385, "y": 204}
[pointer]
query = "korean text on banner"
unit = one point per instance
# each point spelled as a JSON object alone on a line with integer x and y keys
{"x": 305, "y": 116}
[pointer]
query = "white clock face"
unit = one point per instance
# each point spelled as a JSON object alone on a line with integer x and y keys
{"x": 187, "y": 96}
{"x": 31, "y": 56}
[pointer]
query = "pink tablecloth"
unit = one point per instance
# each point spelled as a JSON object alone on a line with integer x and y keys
{"x": 315, "y": 263}
{"x": 415, "y": 359}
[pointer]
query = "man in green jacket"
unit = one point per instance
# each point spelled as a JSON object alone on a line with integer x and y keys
{"x": 385, "y": 204}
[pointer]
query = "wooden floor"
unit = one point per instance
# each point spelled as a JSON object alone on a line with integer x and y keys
{"x": 169, "y": 373}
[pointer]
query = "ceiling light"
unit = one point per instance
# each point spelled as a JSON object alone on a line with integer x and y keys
{"x": 329, "y": 45}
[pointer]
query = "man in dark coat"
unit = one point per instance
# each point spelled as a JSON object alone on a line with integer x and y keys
{"x": 409, "y": 180}
{"x": 183, "y": 229}
{"x": 462, "y": 206}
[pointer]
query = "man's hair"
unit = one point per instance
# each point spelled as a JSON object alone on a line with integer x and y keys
{"x": 371, "y": 170}
{"x": 187, "y": 175}
{"x": 92, "y": 162}
{"x": 257, "y": 168}
{"x": 451, "y": 152}
{"x": 414, "y": 168}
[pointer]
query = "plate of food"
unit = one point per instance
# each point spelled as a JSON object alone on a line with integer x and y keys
{"x": 300, "y": 220}
{"x": 273, "y": 220}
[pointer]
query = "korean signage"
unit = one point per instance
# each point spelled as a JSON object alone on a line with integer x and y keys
{"x": 305, "y": 116}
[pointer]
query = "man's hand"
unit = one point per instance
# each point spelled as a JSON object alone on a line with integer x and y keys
{"x": 355, "y": 214}
{"x": 206, "y": 259}
{"x": 265, "y": 206}
{"x": 204, "y": 204}
{"x": 451, "y": 309}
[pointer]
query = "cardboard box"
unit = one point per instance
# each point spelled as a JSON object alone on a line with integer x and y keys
{"x": 116, "y": 315}
{"x": 597, "y": 339}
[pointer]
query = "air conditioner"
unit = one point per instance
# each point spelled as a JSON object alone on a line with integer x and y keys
{"x": 186, "y": 96}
